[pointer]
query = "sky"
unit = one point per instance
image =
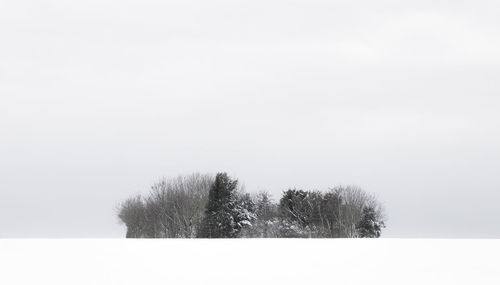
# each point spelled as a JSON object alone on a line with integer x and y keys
{"x": 100, "y": 99}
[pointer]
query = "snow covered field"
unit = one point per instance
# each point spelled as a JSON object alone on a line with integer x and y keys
{"x": 240, "y": 261}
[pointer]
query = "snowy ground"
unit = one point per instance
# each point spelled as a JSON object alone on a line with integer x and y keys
{"x": 283, "y": 261}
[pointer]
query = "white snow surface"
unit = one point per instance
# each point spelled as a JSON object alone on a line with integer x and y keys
{"x": 249, "y": 261}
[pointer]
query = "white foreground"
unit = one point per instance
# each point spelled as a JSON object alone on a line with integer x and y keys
{"x": 249, "y": 261}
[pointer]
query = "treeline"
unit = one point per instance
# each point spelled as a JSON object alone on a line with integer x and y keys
{"x": 201, "y": 206}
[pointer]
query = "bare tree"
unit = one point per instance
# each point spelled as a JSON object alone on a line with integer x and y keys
{"x": 353, "y": 200}
{"x": 132, "y": 214}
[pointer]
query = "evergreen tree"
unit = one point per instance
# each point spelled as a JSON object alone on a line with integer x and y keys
{"x": 295, "y": 214}
{"x": 294, "y": 206}
{"x": 226, "y": 212}
{"x": 369, "y": 226}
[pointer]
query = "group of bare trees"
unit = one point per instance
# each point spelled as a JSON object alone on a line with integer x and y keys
{"x": 173, "y": 209}
{"x": 213, "y": 207}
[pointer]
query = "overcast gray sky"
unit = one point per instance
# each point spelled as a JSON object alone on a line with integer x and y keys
{"x": 99, "y": 99}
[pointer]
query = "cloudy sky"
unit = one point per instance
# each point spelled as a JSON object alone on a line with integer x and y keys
{"x": 100, "y": 98}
